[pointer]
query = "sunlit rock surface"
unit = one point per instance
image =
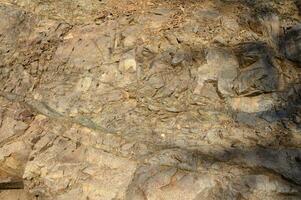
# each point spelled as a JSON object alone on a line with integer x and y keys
{"x": 150, "y": 100}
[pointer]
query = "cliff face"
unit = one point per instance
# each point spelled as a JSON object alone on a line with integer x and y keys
{"x": 150, "y": 100}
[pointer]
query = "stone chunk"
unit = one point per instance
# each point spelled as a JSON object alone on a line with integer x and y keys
{"x": 260, "y": 77}
{"x": 222, "y": 67}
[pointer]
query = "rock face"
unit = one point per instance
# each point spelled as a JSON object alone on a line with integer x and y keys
{"x": 150, "y": 100}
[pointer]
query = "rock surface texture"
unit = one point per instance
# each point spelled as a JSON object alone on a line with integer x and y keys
{"x": 150, "y": 100}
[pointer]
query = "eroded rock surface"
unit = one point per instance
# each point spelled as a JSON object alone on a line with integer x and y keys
{"x": 150, "y": 100}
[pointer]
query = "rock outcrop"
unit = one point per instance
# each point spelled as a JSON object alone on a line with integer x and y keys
{"x": 130, "y": 100}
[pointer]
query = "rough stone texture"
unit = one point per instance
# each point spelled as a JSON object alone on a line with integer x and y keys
{"x": 150, "y": 100}
{"x": 292, "y": 44}
{"x": 15, "y": 195}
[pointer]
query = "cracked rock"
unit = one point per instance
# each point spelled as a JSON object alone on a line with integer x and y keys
{"x": 149, "y": 100}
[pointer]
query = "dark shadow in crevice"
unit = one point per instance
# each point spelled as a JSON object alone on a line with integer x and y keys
{"x": 12, "y": 185}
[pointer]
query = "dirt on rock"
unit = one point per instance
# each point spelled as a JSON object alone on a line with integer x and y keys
{"x": 150, "y": 100}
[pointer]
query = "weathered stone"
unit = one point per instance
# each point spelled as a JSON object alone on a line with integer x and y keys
{"x": 230, "y": 24}
{"x": 292, "y": 44}
{"x": 178, "y": 58}
{"x": 148, "y": 100}
{"x": 257, "y": 104}
{"x": 15, "y": 194}
{"x": 260, "y": 77}
{"x": 221, "y": 67}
